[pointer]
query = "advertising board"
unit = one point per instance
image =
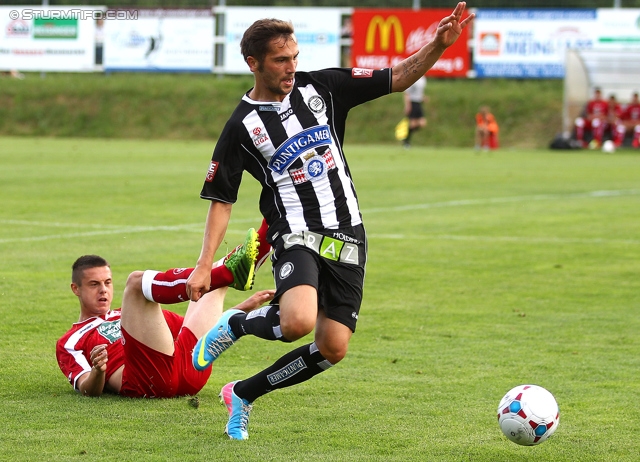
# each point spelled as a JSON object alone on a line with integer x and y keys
{"x": 384, "y": 37}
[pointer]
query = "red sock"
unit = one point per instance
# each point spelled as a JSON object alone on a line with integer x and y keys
{"x": 171, "y": 286}
{"x": 265, "y": 247}
{"x": 168, "y": 287}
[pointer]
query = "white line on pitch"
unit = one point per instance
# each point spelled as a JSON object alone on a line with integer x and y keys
{"x": 116, "y": 229}
{"x": 518, "y": 239}
{"x": 504, "y": 200}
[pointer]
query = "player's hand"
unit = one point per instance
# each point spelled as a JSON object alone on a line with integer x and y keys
{"x": 256, "y": 300}
{"x": 199, "y": 283}
{"x": 450, "y": 27}
{"x": 99, "y": 358}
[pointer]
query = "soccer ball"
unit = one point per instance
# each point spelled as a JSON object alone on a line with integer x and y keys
{"x": 608, "y": 147}
{"x": 528, "y": 415}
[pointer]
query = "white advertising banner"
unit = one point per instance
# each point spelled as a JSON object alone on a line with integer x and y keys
{"x": 39, "y": 38}
{"x": 532, "y": 43}
{"x": 619, "y": 29}
{"x": 160, "y": 40}
{"x": 317, "y": 31}
{"x": 529, "y": 43}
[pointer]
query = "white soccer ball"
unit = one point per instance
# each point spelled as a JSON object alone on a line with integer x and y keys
{"x": 608, "y": 147}
{"x": 528, "y": 415}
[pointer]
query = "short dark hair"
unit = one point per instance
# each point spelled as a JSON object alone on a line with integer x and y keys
{"x": 83, "y": 263}
{"x": 258, "y": 37}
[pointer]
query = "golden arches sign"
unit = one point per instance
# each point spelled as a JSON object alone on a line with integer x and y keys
{"x": 385, "y": 26}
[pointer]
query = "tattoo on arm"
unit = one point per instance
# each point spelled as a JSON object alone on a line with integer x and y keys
{"x": 411, "y": 66}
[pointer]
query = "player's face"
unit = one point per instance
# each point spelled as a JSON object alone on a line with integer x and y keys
{"x": 95, "y": 292}
{"x": 275, "y": 74}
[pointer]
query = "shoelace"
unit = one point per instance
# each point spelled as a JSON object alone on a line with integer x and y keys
{"x": 220, "y": 344}
{"x": 245, "y": 409}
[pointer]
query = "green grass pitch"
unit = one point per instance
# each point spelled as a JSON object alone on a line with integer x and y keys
{"x": 486, "y": 270}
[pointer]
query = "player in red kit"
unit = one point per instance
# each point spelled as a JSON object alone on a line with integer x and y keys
{"x": 142, "y": 350}
{"x": 631, "y": 119}
{"x": 593, "y": 119}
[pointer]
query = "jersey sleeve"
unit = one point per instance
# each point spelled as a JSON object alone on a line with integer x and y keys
{"x": 71, "y": 361}
{"x": 224, "y": 176}
{"x": 352, "y": 87}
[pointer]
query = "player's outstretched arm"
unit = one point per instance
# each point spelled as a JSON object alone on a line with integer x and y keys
{"x": 199, "y": 283}
{"x": 408, "y": 71}
{"x": 256, "y": 300}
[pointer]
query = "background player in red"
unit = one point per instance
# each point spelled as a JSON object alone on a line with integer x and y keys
{"x": 593, "y": 118}
{"x": 142, "y": 350}
{"x": 631, "y": 119}
{"x": 613, "y": 127}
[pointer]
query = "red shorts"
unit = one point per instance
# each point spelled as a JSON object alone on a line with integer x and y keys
{"x": 150, "y": 374}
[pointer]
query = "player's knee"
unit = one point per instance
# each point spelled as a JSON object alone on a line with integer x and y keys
{"x": 333, "y": 352}
{"x": 296, "y": 327}
{"x": 579, "y": 122}
{"x": 134, "y": 281}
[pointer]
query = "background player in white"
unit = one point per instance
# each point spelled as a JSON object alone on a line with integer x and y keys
{"x": 413, "y": 108}
{"x": 288, "y": 133}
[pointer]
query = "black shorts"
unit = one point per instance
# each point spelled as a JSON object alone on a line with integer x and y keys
{"x": 416, "y": 111}
{"x": 332, "y": 262}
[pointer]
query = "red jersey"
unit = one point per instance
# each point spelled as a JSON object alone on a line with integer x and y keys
{"x": 597, "y": 108}
{"x": 73, "y": 349}
{"x": 632, "y": 112}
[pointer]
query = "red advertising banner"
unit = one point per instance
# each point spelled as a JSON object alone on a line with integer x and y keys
{"x": 384, "y": 37}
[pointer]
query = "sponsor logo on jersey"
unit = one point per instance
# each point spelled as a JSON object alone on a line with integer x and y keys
{"x": 110, "y": 330}
{"x": 297, "y": 145}
{"x": 316, "y": 104}
{"x": 259, "y": 137}
{"x": 268, "y": 108}
{"x": 213, "y": 168}
{"x": 285, "y": 115}
{"x": 359, "y": 73}
{"x": 325, "y": 246}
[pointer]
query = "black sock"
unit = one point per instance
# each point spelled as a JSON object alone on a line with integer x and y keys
{"x": 263, "y": 323}
{"x": 293, "y": 368}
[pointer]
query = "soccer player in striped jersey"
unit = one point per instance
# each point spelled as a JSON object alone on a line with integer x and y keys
{"x": 288, "y": 133}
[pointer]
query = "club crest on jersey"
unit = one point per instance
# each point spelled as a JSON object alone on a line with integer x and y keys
{"x": 213, "y": 168}
{"x": 360, "y": 73}
{"x": 297, "y": 145}
{"x": 316, "y": 104}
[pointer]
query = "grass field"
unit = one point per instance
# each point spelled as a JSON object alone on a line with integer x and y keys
{"x": 485, "y": 271}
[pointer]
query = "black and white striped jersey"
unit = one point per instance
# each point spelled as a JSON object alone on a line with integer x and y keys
{"x": 294, "y": 149}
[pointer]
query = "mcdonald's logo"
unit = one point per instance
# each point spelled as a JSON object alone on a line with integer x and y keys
{"x": 385, "y": 26}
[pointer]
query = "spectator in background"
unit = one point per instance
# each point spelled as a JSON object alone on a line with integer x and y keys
{"x": 486, "y": 130}
{"x": 631, "y": 119}
{"x": 99, "y": 38}
{"x": 592, "y": 119}
{"x": 413, "y": 100}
